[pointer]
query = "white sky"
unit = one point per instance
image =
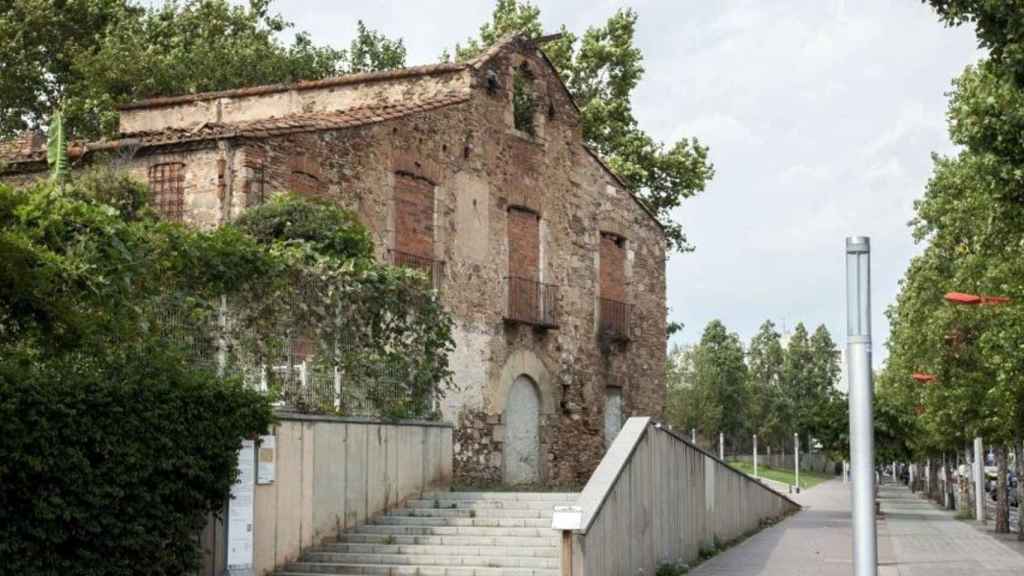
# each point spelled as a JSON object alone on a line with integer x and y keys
{"x": 821, "y": 116}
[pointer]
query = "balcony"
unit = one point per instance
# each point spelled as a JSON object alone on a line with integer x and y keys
{"x": 434, "y": 269}
{"x": 532, "y": 302}
{"x": 615, "y": 319}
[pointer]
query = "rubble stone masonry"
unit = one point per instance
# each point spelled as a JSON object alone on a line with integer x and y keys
{"x": 458, "y": 183}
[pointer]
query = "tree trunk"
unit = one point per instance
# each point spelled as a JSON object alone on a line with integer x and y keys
{"x": 950, "y": 489}
{"x": 1002, "y": 500}
{"x": 934, "y": 489}
{"x": 1018, "y": 448}
{"x": 966, "y": 483}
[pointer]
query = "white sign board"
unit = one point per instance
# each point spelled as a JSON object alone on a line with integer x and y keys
{"x": 240, "y": 513}
{"x": 265, "y": 457}
{"x": 567, "y": 518}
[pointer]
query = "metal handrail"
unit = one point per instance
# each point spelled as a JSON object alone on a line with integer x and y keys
{"x": 532, "y": 302}
{"x": 432, "y": 267}
{"x": 615, "y": 318}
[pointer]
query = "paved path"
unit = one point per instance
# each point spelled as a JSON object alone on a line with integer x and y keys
{"x": 915, "y": 538}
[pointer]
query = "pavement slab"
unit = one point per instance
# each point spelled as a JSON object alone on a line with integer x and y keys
{"x": 915, "y": 538}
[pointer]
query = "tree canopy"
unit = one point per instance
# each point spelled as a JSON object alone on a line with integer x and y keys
{"x": 90, "y": 56}
{"x": 602, "y": 68}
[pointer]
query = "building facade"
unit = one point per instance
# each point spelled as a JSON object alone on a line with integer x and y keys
{"x": 476, "y": 173}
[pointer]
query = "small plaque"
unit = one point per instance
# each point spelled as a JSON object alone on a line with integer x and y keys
{"x": 567, "y": 518}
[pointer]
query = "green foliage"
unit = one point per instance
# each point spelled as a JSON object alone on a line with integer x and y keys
{"x": 57, "y": 148}
{"x": 110, "y": 466}
{"x": 672, "y": 569}
{"x": 116, "y": 51}
{"x": 524, "y": 101}
{"x": 769, "y": 390}
{"x": 601, "y": 70}
{"x": 328, "y": 231}
{"x": 371, "y": 51}
{"x": 120, "y": 426}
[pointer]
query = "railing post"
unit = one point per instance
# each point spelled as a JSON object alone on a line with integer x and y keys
{"x": 755, "y": 455}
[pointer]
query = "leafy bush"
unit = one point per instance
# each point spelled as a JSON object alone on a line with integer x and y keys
{"x": 110, "y": 466}
{"x": 330, "y": 231}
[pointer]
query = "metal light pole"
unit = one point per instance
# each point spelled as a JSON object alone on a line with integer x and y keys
{"x": 755, "y": 455}
{"x": 862, "y": 436}
{"x": 979, "y": 480}
{"x": 796, "y": 459}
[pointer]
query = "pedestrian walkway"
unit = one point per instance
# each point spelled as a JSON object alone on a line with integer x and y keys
{"x": 915, "y": 538}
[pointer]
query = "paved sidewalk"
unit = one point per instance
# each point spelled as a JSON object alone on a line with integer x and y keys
{"x": 915, "y": 538}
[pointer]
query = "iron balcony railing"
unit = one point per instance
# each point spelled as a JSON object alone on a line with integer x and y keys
{"x": 615, "y": 319}
{"x": 434, "y": 269}
{"x": 532, "y": 302}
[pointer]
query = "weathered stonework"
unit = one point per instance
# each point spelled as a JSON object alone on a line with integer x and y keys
{"x": 450, "y": 131}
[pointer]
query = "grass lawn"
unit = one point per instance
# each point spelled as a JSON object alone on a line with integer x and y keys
{"x": 807, "y": 479}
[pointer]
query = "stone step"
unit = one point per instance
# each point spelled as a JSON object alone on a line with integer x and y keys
{"x": 307, "y": 568}
{"x": 471, "y": 513}
{"x": 546, "y": 550}
{"x": 421, "y": 530}
{"x": 463, "y": 522}
{"x": 433, "y": 540}
{"x": 517, "y": 496}
{"x": 498, "y": 561}
{"x": 482, "y": 504}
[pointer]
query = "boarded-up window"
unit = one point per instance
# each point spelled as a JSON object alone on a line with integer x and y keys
{"x": 613, "y": 267}
{"x": 414, "y": 216}
{"x": 255, "y": 185}
{"x": 167, "y": 188}
{"x": 305, "y": 177}
{"x": 523, "y": 244}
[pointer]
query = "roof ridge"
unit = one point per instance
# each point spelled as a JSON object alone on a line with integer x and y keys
{"x": 356, "y": 78}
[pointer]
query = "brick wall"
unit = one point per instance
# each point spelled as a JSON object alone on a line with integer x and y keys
{"x": 523, "y": 244}
{"x": 613, "y": 267}
{"x": 414, "y": 216}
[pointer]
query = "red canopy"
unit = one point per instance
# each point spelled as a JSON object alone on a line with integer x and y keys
{"x": 962, "y": 298}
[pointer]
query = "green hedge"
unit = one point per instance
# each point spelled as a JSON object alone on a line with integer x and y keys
{"x": 111, "y": 466}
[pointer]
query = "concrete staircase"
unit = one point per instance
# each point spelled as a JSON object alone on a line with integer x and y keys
{"x": 448, "y": 534}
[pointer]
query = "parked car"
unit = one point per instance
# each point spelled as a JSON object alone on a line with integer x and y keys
{"x": 1011, "y": 487}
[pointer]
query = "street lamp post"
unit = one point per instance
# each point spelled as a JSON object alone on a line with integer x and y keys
{"x": 755, "y": 455}
{"x": 862, "y": 439}
{"x": 796, "y": 459}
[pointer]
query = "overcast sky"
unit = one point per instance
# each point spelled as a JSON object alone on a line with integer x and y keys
{"x": 821, "y": 116}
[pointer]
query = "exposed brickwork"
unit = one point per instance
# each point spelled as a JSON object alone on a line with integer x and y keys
{"x": 414, "y": 216}
{"x": 523, "y": 244}
{"x": 613, "y": 267}
{"x": 478, "y": 167}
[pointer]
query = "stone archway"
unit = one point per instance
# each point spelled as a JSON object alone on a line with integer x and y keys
{"x": 522, "y": 432}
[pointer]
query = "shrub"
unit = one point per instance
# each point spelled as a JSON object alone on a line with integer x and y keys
{"x": 329, "y": 230}
{"x": 110, "y": 466}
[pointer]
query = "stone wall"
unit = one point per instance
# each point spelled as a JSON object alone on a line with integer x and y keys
{"x": 479, "y": 170}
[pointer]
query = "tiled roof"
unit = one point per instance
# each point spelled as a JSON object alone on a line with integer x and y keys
{"x": 264, "y": 127}
{"x": 360, "y": 78}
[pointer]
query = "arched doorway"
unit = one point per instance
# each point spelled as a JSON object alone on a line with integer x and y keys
{"x": 522, "y": 432}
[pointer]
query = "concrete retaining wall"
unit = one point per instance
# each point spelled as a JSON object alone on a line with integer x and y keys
{"x": 333, "y": 473}
{"x": 656, "y": 499}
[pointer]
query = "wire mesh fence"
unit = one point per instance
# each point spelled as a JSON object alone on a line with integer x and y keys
{"x": 293, "y": 370}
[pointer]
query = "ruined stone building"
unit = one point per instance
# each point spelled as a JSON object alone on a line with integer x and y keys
{"x": 477, "y": 173}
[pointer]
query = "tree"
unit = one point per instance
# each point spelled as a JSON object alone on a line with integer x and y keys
{"x": 113, "y": 52}
{"x": 769, "y": 414}
{"x": 720, "y": 383}
{"x": 601, "y": 70}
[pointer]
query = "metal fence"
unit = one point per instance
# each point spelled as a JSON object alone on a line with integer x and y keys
{"x": 532, "y": 302}
{"x": 289, "y": 368}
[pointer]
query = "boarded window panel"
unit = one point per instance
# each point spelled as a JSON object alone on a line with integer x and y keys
{"x": 523, "y": 244}
{"x": 613, "y": 267}
{"x": 414, "y": 216}
{"x": 167, "y": 187}
{"x": 305, "y": 184}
